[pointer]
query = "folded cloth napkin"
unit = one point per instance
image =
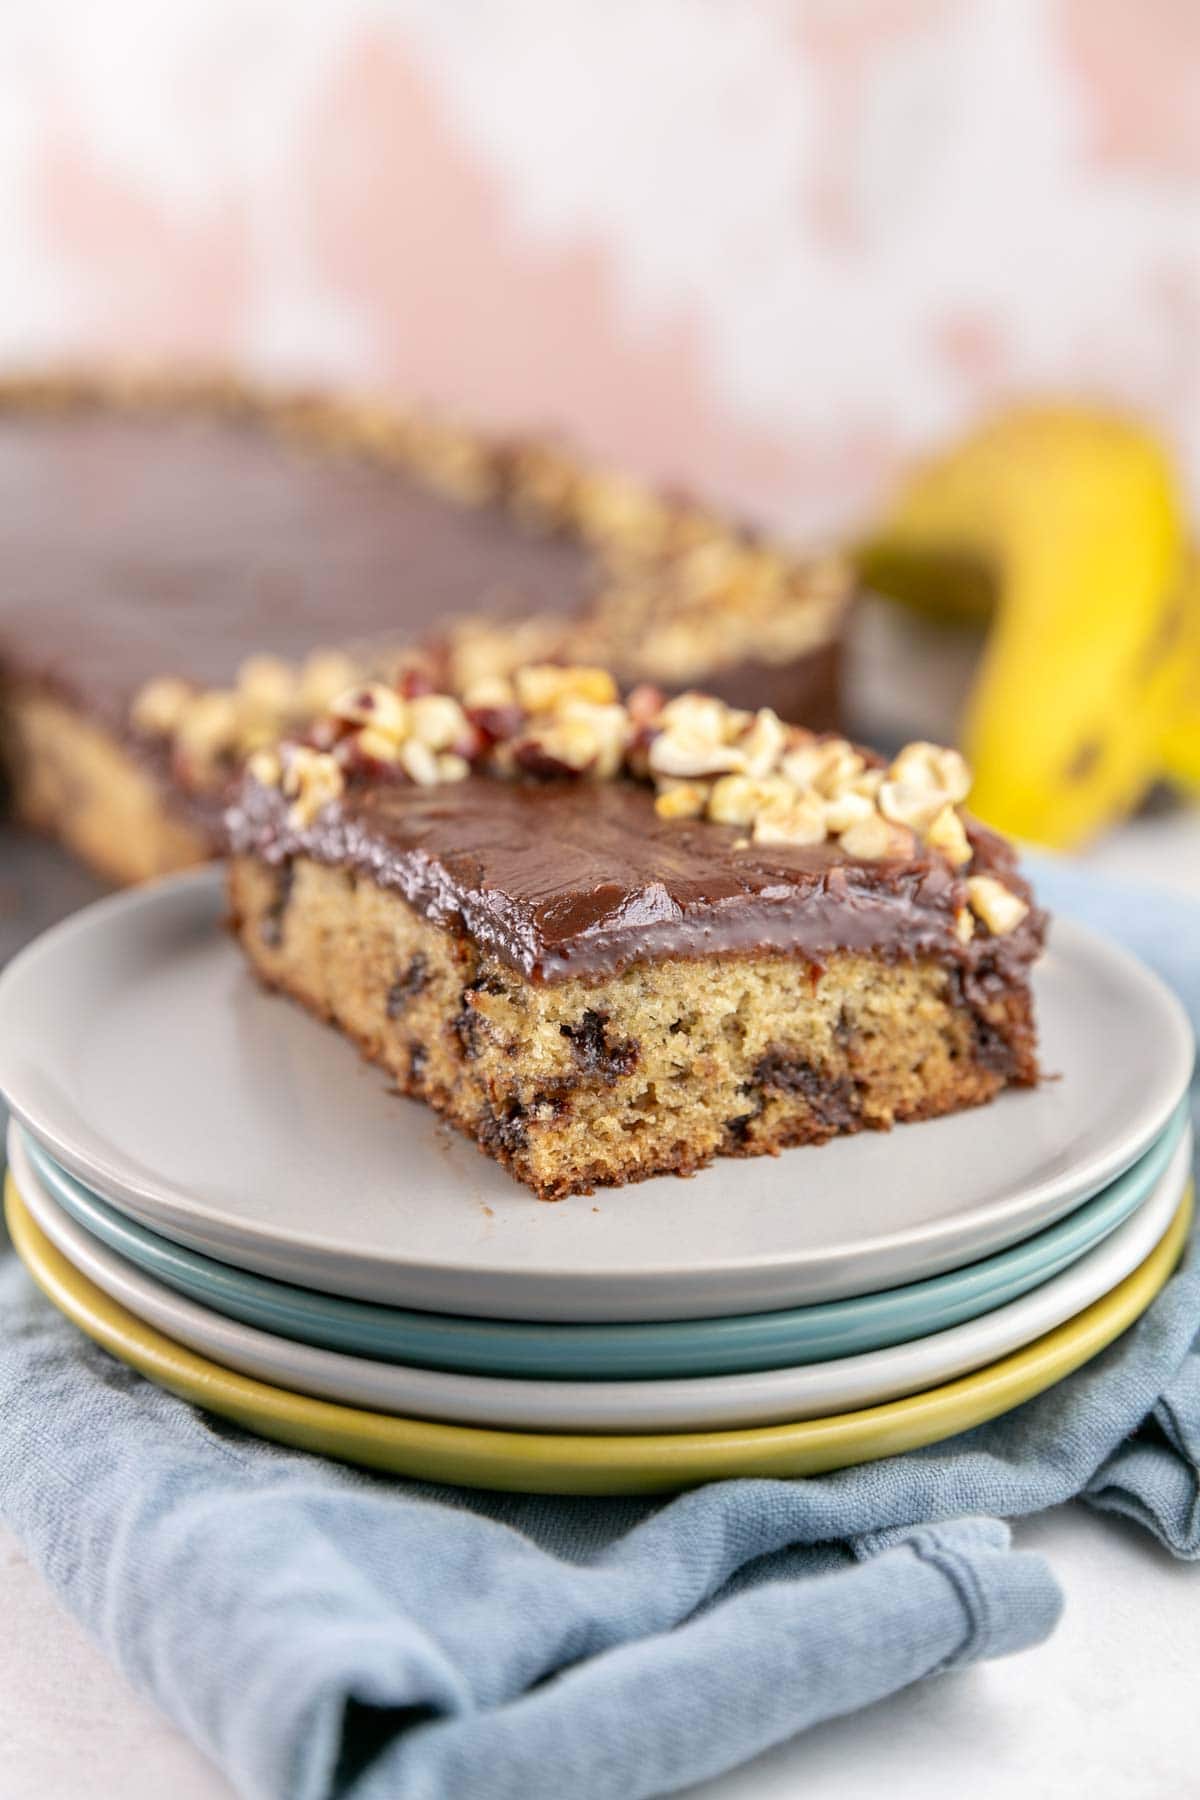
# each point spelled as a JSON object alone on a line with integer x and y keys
{"x": 323, "y": 1632}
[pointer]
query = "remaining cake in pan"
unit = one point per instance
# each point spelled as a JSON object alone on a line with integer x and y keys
{"x": 614, "y": 939}
{"x": 187, "y": 571}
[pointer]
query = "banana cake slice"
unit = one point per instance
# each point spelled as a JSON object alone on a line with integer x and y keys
{"x": 612, "y": 939}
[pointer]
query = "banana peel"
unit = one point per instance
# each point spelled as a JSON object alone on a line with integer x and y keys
{"x": 1064, "y": 527}
{"x": 1181, "y": 740}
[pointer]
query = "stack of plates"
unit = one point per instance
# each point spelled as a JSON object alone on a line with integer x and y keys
{"x": 215, "y": 1188}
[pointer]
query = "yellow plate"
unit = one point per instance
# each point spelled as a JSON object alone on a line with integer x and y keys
{"x": 528, "y": 1462}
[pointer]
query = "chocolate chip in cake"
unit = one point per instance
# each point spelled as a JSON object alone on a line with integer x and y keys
{"x": 595, "y": 1053}
{"x": 414, "y": 980}
{"x": 272, "y": 919}
{"x": 465, "y": 1026}
{"x": 503, "y": 1131}
{"x": 737, "y": 1129}
{"x": 833, "y": 1099}
{"x": 466, "y": 1022}
{"x": 992, "y": 1049}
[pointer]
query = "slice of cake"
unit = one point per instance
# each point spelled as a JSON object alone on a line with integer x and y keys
{"x": 188, "y": 571}
{"x": 615, "y": 939}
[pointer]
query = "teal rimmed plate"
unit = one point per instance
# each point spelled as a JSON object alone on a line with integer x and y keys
{"x": 655, "y": 1350}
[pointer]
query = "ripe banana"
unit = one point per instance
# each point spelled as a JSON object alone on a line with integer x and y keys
{"x": 1066, "y": 527}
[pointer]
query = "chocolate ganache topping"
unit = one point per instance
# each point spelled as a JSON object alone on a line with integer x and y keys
{"x": 563, "y": 879}
{"x": 133, "y": 545}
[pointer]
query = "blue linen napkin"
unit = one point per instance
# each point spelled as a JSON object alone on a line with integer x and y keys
{"x": 323, "y": 1632}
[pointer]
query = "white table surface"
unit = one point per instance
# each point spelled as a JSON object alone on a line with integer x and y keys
{"x": 1105, "y": 1708}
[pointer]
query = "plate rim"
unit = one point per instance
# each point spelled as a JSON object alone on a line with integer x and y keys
{"x": 747, "y": 1344}
{"x": 455, "y": 1397}
{"x": 562, "y": 1463}
{"x": 165, "y": 1204}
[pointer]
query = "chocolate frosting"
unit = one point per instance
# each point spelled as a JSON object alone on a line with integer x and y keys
{"x": 584, "y": 879}
{"x": 137, "y": 545}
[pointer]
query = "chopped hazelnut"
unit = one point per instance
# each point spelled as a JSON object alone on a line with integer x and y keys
{"x": 877, "y": 838}
{"x": 311, "y": 779}
{"x": 846, "y": 810}
{"x": 208, "y": 725}
{"x": 375, "y": 746}
{"x": 543, "y": 483}
{"x": 266, "y": 768}
{"x": 609, "y": 730}
{"x": 868, "y": 783}
{"x": 1000, "y": 909}
{"x": 437, "y": 721}
{"x": 541, "y": 687}
{"x": 843, "y": 766}
{"x": 681, "y": 800}
{"x": 712, "y": 567}
{"x": 160, "y": 705}
{"x": 948, "y": 834}
{"x": 829, "y": 767}
{"x": 686, "y": 753}
{"x": 489, "y": 692}
{"x": 256, "y": 734}
{"x": 454, "y": 461}
{"x": 908, "y": 804}
{"x": 418, "y": 762}
{"x": 964, "y": 925}
{"x": 375, "y": 705}
{"x": 267, "y": 684}
{"x": 325, "y": 675}
{"x": 700, "y": 715}
{"x": 738, "y": 799}
{"x": 800, "y": 820}
{"x": 930, "y": 766}
{"x": 570, "y": 744}
{"x": 763, "y": 742}
{"x": 615, "y": 510}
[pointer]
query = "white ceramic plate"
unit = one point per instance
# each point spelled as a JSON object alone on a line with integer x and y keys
{"x": 137, "y": 1047}
{"x": 772, "y": 1397}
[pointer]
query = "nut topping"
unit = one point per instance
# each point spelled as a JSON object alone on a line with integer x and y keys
{"x": 800, "y": 820}
{"x": 775, "y": 783}
{"x": 681, "y": 800}
{"x": 310, "y": 779}
{"x": 1000, "y": 909}
{"x": 877, "y": 838}
{"x": 375, "y": 705}
{"x": 325, "y": 675}
{"x": 947, "y": 833}
{"x": 542, "y": 687}
{"x": 437, "y": 721}
{"x": 161, "y": 705}
{"x": 267, "y": 685}
{"x": 738, "y": 799}
{"x": 847, "y": 809}
{"x": 418, "y": 762}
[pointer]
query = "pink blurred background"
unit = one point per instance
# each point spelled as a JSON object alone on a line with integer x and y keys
{"x": 770, "y": 247}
